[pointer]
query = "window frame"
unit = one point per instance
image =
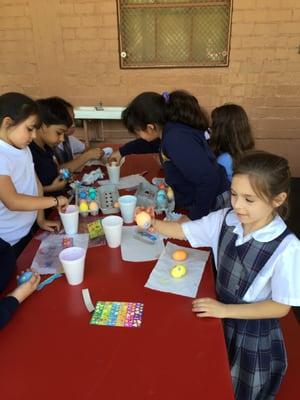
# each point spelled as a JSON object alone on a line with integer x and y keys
{"x": 207, "y": 64}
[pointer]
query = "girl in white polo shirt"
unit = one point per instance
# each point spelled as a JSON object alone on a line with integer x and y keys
{"x": 21, "y": 195}
{"x": 258, "y": 275}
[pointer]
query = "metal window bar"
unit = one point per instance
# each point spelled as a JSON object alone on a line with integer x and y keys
{"x": 164, "y": 33}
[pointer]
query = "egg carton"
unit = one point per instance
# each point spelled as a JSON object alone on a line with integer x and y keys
{"x": 108, "y": 195}
{"x": 146, "y": 197}
{"x": 84, "y": 193}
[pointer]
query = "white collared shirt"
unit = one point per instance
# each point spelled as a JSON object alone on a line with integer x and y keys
{"x": 279, "y": 279}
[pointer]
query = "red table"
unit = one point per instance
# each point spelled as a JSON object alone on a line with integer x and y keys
{"x": 49, "y": 350}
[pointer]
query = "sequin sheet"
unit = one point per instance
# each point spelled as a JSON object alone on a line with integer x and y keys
{"x": 117, "y": 313}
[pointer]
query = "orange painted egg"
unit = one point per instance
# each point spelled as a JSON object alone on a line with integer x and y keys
{"x": 93, "y": 206}
{"x": 179, "y": 255}
{"x": 143, "y": 220}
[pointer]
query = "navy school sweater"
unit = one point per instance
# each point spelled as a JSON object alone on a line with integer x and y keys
{"x": 189, "y": 164}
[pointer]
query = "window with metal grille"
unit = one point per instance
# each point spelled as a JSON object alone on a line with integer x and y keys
{"x": 174, "y": 33}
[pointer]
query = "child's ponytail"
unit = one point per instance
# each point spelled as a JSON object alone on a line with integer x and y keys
{"x": 184, "y": 107}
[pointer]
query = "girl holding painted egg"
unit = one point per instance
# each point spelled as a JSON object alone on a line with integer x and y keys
{"x": 258, "y": 278}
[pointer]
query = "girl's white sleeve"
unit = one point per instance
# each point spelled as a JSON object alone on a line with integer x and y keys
{"x": 285, "y": 279}
{"x": 205, "y": 232}
{"x": 5, "y": 168}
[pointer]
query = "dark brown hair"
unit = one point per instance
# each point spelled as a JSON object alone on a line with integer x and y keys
{"x": 230, "y": 131}
{"x": 53, "y": 112}
{"x": 183, "y": 107}
{"x": 154, "y": 108}
{"x": 18, "y": 107}
{"x": 269, "y": 175}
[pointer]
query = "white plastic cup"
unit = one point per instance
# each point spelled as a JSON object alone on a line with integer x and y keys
{"x": 72, "y": 260}
{"x": 112, "y": 226}
{"x": 127, "y": 205}
{"x": 113, "y": 171}
{"x": 70, "y": 219}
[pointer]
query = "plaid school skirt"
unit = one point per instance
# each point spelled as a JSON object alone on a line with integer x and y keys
{"x": 257, "y": 357}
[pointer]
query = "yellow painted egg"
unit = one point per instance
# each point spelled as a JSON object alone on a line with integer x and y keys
{"x": 93, "y": 206}
{"x": 170, "y": 194}
{"x": 143, "y": 220}
{"x": 178, "y": 271}
{"x": 179, "y": 255}
{"x": 83, "y": 206}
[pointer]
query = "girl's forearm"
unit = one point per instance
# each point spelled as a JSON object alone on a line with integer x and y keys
{"x": 261, "y": 310}
{"x": 22, "y": 202}
{"x": 172, "y": 230}
{"x": 76, "y": 163}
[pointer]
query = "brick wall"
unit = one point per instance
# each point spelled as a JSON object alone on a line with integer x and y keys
{"x": 70, "y": 48}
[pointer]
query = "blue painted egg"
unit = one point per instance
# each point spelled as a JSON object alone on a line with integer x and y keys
{"x": 25, "y": 277}
{"x": 161, "y": 192}
{"x": 82, "y": 195}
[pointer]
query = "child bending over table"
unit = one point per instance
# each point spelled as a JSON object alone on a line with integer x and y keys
{"x": 173, "y": 124}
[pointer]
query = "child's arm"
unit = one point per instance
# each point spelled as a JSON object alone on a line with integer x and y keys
{"x": 172, "y": 230}
{"x": 57, "y": 185}
{"x": 207, "y": 307}
{"x": 138, "y": 146}
{"x": 21, "y": 202}
{"x": 43, "y": 223}
{"x": 90, "y": 154}
{"x": 10, "y": 303}
{"x": 24, "y": 290}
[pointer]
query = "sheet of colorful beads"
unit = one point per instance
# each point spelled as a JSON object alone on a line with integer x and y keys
{"x": 118, "y": 313}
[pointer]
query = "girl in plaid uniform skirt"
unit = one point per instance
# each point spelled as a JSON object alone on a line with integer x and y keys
{"x": 258, "y": 278}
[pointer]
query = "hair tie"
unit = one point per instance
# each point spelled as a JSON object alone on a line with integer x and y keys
{"x": 166, "y": 96}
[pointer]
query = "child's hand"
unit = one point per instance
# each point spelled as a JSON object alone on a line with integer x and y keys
{"x": 94, "y": 153}
{"x": 63, "y": 203}
{"x": 50, "y": 226}
{"x": 24, "y": 290}
{"x": 207, "y": 307}
{"x": 58, "y": 184}
{"x": 147, "y": 221}
{"x": 115, "y": 156}
{"x": 149, "y": 210}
